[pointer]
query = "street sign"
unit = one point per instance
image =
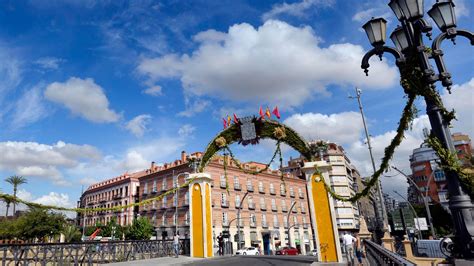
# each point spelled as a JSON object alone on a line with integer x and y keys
{"x": 421, "y": 224}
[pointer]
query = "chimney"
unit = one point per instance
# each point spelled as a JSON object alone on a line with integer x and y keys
{"x": 183, "y": 156}
{"x": 152, "y": 168}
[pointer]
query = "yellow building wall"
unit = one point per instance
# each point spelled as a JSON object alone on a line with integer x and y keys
{"x": 327, "y": 241}
{"x": 208, "y": 221}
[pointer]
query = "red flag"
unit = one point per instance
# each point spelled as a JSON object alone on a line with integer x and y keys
{"x": 276, "y": 112}
{"x": 224, "y": 122}
{"x": 236, "y": 120}
{"x": 262, "y": 115}
{"x": 267, "y": 112}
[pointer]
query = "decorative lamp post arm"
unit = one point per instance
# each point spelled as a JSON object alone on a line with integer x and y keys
{"x": 379, "y": 50}
{"x": 437, "y": 53}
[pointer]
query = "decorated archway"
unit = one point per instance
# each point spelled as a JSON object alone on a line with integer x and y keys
{"x": 250, "y": 130}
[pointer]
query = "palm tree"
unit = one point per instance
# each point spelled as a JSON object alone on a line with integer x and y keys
{"x": 15, "y": 181}
{"x": 7, "y": 201}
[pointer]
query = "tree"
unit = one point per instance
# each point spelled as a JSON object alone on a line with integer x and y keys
{"x": 38, "y": 224}
{"x": 15, "y": 181}
{"x": 71, "y": 233}
{"x": 8, "y": 229}
{"x": 7, "y": 201}
{"x": 112, "y": 227}
{"x": 141, "y": 229}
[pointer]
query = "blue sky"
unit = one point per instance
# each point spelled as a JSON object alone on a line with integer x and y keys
{"x": 92, "y": 89}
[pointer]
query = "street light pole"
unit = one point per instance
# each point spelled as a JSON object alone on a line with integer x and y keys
{"x": 414, "y": 212}
{"x": 410, "y": 49}
{"x": 381, "y": 206}
{"x": 288, "y": 222}
{"x": 425, "y": 202}
{"x": 238, "y": 219}
{"x": 177, "y": 201}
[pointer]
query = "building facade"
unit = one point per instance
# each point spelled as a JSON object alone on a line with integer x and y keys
{"x": 427, "y": 174}
{"x": 121, "y": 190}
{"x": 264, "y": 211}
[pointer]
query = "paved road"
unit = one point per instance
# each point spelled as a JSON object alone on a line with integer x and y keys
{"x": 257, "y": 260}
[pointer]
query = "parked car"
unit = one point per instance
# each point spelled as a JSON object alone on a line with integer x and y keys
{"x": 313, "y": 253}
{"x": 247, "y": 251}
{"x": 287, "y": 251}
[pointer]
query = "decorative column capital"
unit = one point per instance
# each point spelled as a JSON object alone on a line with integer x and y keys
{"x": 199, "y": 178}
{"x": 310, "y": 167}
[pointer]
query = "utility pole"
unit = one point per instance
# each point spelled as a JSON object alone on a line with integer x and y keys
{"x": 288, "y": 222}
{"x": 381, "y": 207}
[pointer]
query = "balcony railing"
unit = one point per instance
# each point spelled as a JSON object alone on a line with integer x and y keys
{"x": 301, "y": 195}
{"x": 283, "y": 209}
{"x": 223, "y": 184}
{"x": 272, "y": 191}
{"x": 250, "y": 188}
{"x": 263, "y": 207}
{"x": 237, "y": 204}
{"x": 276, "y": 225}
{"x": 261, "y": 189}
{"x": 305, "y": 225}
{"x": 303, "y": 210}
{"x": 117, "y": 196}
{"x": 224, "y": 203}
{"x": 282, "y": 193}
{"x": 264, "y": 225}
{"x": 253, "y": 224}
{"x": 251, "y": 206}
{"x": 295, "y": 210}
{"x": 378, "y": 255}
{"x": 292, "y": 194}
{"x": 237, "y": 186}
{"x": 274, "y": 208}
{"x": 154, "y": 190}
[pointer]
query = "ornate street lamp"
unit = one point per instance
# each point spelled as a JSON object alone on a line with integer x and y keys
{"x": 410, "y": 49}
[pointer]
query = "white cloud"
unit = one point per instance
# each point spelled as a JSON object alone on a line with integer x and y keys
{"x": 154, "y": 90}
{"x": 88, "y": 180}
{"x": 461, "y": 9}
{"x": 186, "y": 130}
{"x": 461, "y": 100}
{"x": 138, "y": 125}
{"x": 32, "y": 159}
{"x": 29, "y": 108}
{"x": 276, "y": 63}
{"x": 84, "y": 98}
{"x": 366, "y": 14}
{"x": 194, "y": 106}
{"x": 297, "y": 9}
{"x": 49, "y": 63}
{"x": 333, "y": 127}
{"x": 10, "y": 72}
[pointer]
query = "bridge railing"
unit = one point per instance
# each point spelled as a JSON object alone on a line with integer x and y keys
{"x": 87, "y": 253}
{"x": 378, "y": 255}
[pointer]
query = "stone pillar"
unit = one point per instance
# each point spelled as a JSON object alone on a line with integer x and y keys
{"x": 387, "y": 242}
{"x": 323, "y": 216}
{"x": 200, "y": 212}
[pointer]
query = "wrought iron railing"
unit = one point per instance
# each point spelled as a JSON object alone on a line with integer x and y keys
{"x": 87, "y": 253}
{"x": 378, "y": 255}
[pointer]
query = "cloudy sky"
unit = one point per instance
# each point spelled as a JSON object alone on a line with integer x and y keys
{"x": 92, "y": 89}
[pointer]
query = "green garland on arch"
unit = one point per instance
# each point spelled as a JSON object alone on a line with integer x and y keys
{"x": 90, "y": 210}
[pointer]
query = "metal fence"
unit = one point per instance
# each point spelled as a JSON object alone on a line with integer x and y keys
{"x": 87, "y": 253}
{"x": 378, "y": 255}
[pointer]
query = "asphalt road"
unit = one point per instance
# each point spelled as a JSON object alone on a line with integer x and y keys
{"x": 258, "y": 260}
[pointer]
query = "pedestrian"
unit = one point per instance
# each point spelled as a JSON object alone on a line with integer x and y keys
{"x": 220, "y": 240}
{"x": 358, "y": 249}
{"x": 259, "y": 250}
{"x": 348, "y": 241}
{"x": 176, "y": 244}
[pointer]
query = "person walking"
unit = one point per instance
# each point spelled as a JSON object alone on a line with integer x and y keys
{"x": 348, "y": 241}
{"x": 358, "y": 249}
{"x": 220, "y": 240}
{"x": 176, "y": 244}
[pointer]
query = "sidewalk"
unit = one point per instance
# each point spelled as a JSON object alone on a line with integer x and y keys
{"x": 158, "y": 261}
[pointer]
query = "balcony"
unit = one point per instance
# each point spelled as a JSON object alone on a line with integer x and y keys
{"x": 303, "y": 210}
{"x": 295, "y": 210}
{"x": 154, "y": 190}
{"x": 237, "y": 204}
{"x": 282, "y": 193}
{"x": 305, "y": 226}
{"x": 283, "y": 209}
{"x": 91, "y": 203}
{"x": 249, "y": 188}
{"x": 274, "y": 208}
{"x": 272, "y": 192}
{"x": 285, "y": 225}
{"x": 276, "y": 225}
{"x": 164, "y": 206}
{"x": 251, "y": 206}
{"x": 103, "y": 200}
{"x": 301, "y": 195}
{"x": 237, "y": 186}
{"x": 261, "y": 190}
{"x": 224, "y": 203}
{"x": 292, "y": 194}
{"x": 253, "y": 225}
{"x": 264, "y": 225}
{"x": 164, "y": 188}
{"x": 223, "y": 184}
{"x": 145, "y": 193}
{"x": 263, "y": 207}
{"x": 117, "y": 196}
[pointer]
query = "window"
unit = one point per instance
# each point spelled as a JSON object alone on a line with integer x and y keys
{"x": 165, "y": 202}
{"x": 261, "y": 189}
{"x": 249, "y": 185}
{"x": 344, "y": 210}
{"x": 153, "y": 205}
{"x": 344, "y": 222}
{"x": 292, "y": 192}
{"x": 263, "y": 205}
{"x": 282, "y": 190}
{"x": 338, "y": 178}
{"x": 283, "y": 205}
{"x": 439, "y": 176}
{"x": 264, "y": 220}
{"x": 224, "y": 202}
{"x": 285, "y": 223}
{"x": 175, "y": 200}
{"x": 300, "y": 193}
{"x": 295, "y": 220}
{"x": 275, "y": 221}
{"x": 272, "y": 189}
{"x": 237, "y": 201}
{"x": 253, "y": 220}
{"x": 251, "y": 204}
{"x": 305, "y": 225}
{"x": 186, "y": 218}
{"x": 154, "y": 186}
{"x": 303, "y": 210}
{"x": 175, "y": 181}
{"x": 236, "y": 183}
{"x": 163, "y": 185}
{"x": 186, "y": 198}
{"x": 126, "y": 190}
{"x": 175, "y": 218}
{"x": 145, "y": 188}
{"x": 223, "y": 183}
{"x": 274, "y": 206}
{"x": 224, "y": 219}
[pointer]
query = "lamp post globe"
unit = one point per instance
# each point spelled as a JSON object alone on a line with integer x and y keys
{"x": 376, "y": 30}
{"x": 443, "y": 15}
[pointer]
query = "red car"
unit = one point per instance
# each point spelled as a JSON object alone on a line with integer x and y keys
{"x": 287, "y": 251}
